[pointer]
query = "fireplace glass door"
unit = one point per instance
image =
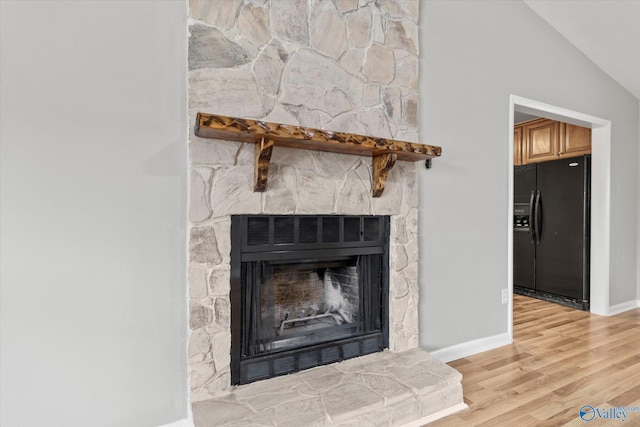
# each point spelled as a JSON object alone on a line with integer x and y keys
{"x": 300, "y": 304}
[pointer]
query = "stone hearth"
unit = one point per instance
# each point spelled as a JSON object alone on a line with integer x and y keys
{"x": 382, "y": 389}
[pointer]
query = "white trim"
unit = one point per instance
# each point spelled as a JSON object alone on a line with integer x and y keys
{"x": 468, "y": 348}
{"x": 437, "y": 415}
{"x": 535, "y": 108}
{"x": 600, "y": 218}
{"x": 185, "y": 422}
{"x": 622, "y": 307}
{"x": 600, "y": 196}
{"x": 510, "y": 223}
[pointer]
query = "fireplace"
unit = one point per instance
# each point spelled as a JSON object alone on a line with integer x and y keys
{"x": 306, "y": 291}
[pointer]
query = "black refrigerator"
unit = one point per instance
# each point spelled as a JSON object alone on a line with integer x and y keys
{"x": 551, "y": 227}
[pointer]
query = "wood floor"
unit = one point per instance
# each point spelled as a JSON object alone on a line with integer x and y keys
{"x": 561, "y": 359}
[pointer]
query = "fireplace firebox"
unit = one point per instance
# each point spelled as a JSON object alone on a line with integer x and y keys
{"x": 306, "y": 291}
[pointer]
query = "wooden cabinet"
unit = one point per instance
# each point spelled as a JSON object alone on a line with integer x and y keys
{"x": 576, "y": 141}
{"x": 542, "y": 140}
{"x": 517, "y": 145}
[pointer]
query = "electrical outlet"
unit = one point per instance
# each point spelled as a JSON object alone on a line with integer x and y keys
{"x": 505, "y": 296}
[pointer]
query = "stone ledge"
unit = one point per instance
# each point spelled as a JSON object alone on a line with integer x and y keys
{"x": 382, "y": 389}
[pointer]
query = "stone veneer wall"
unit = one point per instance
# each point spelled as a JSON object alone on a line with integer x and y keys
{"x": 341, "y": 65}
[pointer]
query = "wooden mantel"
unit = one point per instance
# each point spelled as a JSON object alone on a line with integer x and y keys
{"x": 266, "y": 135}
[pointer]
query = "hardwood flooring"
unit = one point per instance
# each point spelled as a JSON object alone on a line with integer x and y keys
{"x": 560, "y": 360}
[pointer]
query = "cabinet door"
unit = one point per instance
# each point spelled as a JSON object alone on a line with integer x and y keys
{"x": 575, "y": 141}
{"x": 517, "y": 146}
{"x": 541, "y": 141}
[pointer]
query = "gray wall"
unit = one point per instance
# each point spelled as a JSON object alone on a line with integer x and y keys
{"x": 473, "y": 56}
{"x": 93, "y": 187}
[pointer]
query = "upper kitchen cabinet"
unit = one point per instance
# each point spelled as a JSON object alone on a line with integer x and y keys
{"x": 543, "y": 140}
{"x": 517, "y": 145}
{"x": 575, "y": 141}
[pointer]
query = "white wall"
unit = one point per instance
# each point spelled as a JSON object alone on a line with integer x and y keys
{"x": 93, "y": 187}
{"x": 473, "y": 56}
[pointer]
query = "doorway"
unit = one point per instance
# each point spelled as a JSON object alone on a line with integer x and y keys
{"x": 600, "y": 196}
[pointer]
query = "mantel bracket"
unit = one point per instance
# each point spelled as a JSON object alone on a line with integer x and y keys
{"x": 263, "y": 150}
{"x": 382, "y": 164}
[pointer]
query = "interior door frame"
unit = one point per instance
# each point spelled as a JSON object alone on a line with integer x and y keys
{"x": 600, "y": 196}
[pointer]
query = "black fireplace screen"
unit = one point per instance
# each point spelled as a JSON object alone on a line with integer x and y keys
{"x": 306, "y": 291}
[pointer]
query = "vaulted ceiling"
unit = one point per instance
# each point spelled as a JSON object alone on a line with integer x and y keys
{"x": 606, "y": 31}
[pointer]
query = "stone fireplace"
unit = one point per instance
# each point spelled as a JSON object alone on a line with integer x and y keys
{"x": 257, "y": 59}
{"x": 340, "y": 65}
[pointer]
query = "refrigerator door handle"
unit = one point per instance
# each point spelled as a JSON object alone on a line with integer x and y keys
{"x": 537, "y": 218}
{"x": 532, "y": 227}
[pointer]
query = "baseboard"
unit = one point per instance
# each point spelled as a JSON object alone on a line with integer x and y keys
{"x": 621, "y": 308}
{"x": 468, "y": 348}
{"x": 186, "y": 422}
{"x": 436, "y": 416}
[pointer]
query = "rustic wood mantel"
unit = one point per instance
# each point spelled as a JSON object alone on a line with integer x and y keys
{"x": 266, "y": 135}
